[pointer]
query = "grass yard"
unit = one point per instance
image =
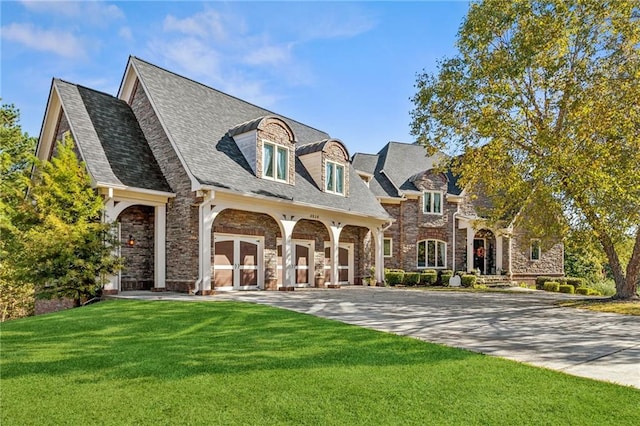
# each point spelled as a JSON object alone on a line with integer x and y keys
{"x": 624, "y": 307}
{"x": 165, "y": 363}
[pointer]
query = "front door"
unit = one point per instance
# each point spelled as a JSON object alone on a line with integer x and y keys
{"x": 302, "y": 262}
{"x": 479, "y": 255}
{"x": 237, "y": 263}
{"x": 345, "y": 263}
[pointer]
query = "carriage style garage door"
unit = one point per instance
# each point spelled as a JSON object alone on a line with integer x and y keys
{"x": 237, "y": 262}
{"x": 345, "y": 263}
{"x": 302, "y": 262}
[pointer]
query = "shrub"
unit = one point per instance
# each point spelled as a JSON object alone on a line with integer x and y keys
{"x": 393, "y": 276}
{"x": 551, "y": 286}
{"x": 445, "y": 276}
{"x": 480, "y": 286}
{"x": 593, "y": 292}
{"x": 566, "y": 288}
{"x": 541, "y": 280}
{"x": 428, "y": 277}
{"x": 575, "y": 282}
{"x": 468, "y": 280}
{"x": 604, "y": 287}
{"x": 583, "y": 290}
{"x": 411, "y": 278}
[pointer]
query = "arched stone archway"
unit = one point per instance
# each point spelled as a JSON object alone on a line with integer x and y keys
{"x": 136, "y": 228}
{"x": 484, "y": 252}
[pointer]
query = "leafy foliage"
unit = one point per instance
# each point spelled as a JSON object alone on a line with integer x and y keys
{"x": 68, "y": 251}
{"x": 543, "y": 104}
{"x": 16, "y": 161}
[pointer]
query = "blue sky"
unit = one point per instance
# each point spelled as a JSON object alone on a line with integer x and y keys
{"x": 346, "y": 68}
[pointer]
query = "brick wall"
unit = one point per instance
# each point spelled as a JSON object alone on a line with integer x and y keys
{"x": 182, "y": 212}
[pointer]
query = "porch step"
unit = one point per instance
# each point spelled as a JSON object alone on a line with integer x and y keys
{"x": 496, "y": 281}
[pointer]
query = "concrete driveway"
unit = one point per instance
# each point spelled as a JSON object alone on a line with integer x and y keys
{"x": 525, "y": 327}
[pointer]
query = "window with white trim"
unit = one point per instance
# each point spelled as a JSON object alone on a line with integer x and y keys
{"x": 432, "y": 202}
{"x": 275, "y": 162}
{"x": 535, "y": 249}
{"x": 334, "y": 178}
{"x": 387, "y": 247}
{"x": 432, "y": 254}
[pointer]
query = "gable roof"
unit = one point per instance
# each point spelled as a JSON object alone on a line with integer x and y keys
{"x": 109, "y": 139}
{"x": 394, "y": 167}
{"x": 198, "y": 120}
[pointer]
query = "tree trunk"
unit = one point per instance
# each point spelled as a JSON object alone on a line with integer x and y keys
{"x": 629, "y": 288}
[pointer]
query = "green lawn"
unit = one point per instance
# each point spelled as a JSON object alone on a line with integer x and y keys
{"x": 155, "y": 363}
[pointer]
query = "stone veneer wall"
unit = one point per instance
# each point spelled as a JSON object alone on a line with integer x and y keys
{"x": 274, "y": 131}
{"x": 336, "y": 153}
{"x": 138, "y": 271}
{"x": 182, "y": 211}
{"x": 551, "y": 257}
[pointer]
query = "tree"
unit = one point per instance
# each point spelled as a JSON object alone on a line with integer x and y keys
{"x": 542, "y": 102}
{"x": 68, "y": 252}
{"x": 16, "y": 160}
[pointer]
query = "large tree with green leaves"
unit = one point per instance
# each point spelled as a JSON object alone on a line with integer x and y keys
{"x": 542, "y": 101}
{"x": 68, "y": 251}
{"x": 16, "y": 160}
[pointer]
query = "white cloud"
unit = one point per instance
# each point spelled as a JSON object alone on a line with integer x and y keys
{"x": 59, "y": 42}
{"x": 268, "y": 55}
{"x": 125, "y": 33}
{"x": 208, "y": 23}
{"x": 89, "y": 11}
{"x": 190, "y": 54}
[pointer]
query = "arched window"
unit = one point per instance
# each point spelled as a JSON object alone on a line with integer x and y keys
{"x": 432, "y": 254}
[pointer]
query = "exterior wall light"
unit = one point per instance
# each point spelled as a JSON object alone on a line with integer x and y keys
{"x": 131, "y": 241}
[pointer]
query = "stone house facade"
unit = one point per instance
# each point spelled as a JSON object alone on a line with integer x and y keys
{"x": 437, "y": 225}
{"x": 209, "y": 192}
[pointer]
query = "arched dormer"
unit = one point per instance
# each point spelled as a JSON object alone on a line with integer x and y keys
{"x": 327, "y": 162}
{"x": 268, "y": 145}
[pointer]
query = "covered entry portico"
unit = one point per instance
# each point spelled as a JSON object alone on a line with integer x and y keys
{"x": 268, "y": 244}
{"x": 484, "y": 247}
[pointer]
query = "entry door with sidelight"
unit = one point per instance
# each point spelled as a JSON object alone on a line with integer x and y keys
{"x": 345, "y": 263}
{"x": 302, "y": 262}
{"x": 237, "y": 263}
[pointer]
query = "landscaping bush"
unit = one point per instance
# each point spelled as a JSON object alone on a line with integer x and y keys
{"x": 468, "y": 280}
{"x": 428, "y": 277}
{"x": 541, "y": 280}
{"x": 575, "y": 282}
{"x": 593, "y": 292}
{"x": 393, "y": 276}
{"x": 480, "y": 286}
{"x": 566, "y": 288}
{"x": 445, "y": 276}
{"x": 582, "y": 290}
{"x": 411, "y": 278}
{"x": 551, "y": 286}
{"x": 604, "y": 287}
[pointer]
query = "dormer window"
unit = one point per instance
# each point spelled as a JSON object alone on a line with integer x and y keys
{"x": 275, "y": 162}
{"x": 432, "y": 202}
{"x": 334, "y": 178}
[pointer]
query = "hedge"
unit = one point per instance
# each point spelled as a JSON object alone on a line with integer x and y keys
{"x": 551, "y": 286}
{"x": 575, "y": 282}
{"x": 411, "y": 278}
{"x": 468, "y": 280}
{"x": 582, "y": 290}
{"x": 393, "y": 276}
{"x": 566, "y": 288}
{"x": 428, "y": 277}
{"x": 445, "y": 276}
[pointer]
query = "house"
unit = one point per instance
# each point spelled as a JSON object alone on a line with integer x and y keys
{"x": 211, "y": 192}
{"x": 437, "y": 225}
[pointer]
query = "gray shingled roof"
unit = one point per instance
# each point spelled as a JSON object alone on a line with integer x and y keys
{"x": 395, "y": 165}
{"x": 198, "y": 118}
{"x": 109, "y": 139}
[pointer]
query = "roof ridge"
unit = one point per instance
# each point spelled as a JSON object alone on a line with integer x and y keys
{"x": 227, "y": 94}
{"x": 88, "y": 88}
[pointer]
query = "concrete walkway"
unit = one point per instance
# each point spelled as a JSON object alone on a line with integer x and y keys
{"x": 525, "y": 327}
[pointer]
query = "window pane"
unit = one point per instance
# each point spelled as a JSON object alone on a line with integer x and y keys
{"x": 427, "y": 202}
{"x": 421, "y": 255}
{"x": 329, "y": 177}
{"x": 340, "y": 179}
{"x": 387, "y": 247}
{"x": 535, "y": 250}
{"x": 437, "y": 205}
{"x": 431, "y": 253}
{"x": 267, "y": 160}
{"x": 442, "y": 247}
{"x": 282, "y": 163}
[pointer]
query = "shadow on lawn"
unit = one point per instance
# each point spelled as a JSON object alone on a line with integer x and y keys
{"x": 165, "y": 340}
